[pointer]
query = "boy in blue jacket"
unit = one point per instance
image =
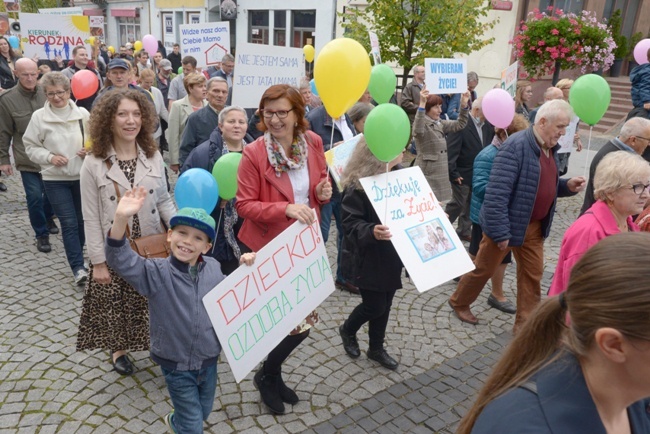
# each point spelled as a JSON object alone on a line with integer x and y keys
{"x": 183, "y": 341}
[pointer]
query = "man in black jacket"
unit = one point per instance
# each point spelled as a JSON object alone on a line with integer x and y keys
{"x": 634, "y": 137}
{"x": 462, "y": 148}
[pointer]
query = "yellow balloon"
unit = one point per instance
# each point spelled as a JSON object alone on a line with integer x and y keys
{"x": 309, "y": 52}
{"x": 88, "y": 145}
{"x": 342, "y": 75}
{"x": 111, "y": 49}
{"x": 91, "y": 41}
{"x": 137, "y": 45}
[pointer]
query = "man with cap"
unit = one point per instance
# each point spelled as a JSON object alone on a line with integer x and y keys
{"x": 118, "y": 76}
{"x": 175, "y": 287}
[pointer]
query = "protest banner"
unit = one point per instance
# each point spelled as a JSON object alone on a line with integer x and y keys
{"x": 337, "y": 157}
{"x": 12, "y": 5}
{"x": 207, "y": 42}
{"x": 421, "y": 233}
{"x": 257, "y": 67}
{"x": 97, "y": 27}
{"x": 374, "y": 47}
{"x": 509, "y": 79}
{"x": 443, "y": 76}
{"x": 566, "y": 141}
{"x": 48, "y": 38}
{"x": 256, "y": 307}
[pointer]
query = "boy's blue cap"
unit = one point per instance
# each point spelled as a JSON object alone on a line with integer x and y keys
{"x": 196, "y": 218}
{"x": 118, "y": 63}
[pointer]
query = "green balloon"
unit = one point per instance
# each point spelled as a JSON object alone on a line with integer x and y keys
{"x": 180, "y": 70}
{"x": 225, "y": 173}
{"x": 387, "y": 131}
{"x": 590, "y": 96}
{"x": 382, "y": 83}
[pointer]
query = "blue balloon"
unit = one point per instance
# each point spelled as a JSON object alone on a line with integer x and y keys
{"x": 312, "y": 84}
{"x": 13, "y": 41}
{"x": 196, "y": 188}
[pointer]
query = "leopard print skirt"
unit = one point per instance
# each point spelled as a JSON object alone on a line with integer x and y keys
{"x": 113, "y": 317}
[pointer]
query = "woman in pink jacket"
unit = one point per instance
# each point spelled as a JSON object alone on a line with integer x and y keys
{"x": 621, "y": 186}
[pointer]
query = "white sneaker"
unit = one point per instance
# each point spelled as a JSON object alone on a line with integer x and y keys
{"x": 81, "y": 276}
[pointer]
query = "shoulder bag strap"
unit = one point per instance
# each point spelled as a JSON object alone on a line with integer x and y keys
{"x": 117, "y": 192}
{"x": 83, "y": 137}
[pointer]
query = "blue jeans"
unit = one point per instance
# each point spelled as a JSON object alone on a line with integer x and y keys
{"x": 65, "y": 198}
{"x": 38, "y": 206}
{"x": 333, "y": 207}
{"x": 192, "y": 394}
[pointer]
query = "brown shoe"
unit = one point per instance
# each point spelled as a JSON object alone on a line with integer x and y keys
{"x": 347, "y": 286}
{"x": 465, "y": 315}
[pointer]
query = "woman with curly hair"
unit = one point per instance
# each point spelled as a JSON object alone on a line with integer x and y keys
{"x": 369, "y": 258}
{"x": 123, "y": 156}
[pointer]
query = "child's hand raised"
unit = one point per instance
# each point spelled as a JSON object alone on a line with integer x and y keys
{"x": 247, "y": 258}
{"x": 131, "y": 202}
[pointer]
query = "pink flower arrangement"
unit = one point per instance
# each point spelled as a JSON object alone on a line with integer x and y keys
{"x": 552, "y": 38}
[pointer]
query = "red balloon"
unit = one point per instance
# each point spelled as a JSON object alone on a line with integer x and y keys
{"x": 84, "y": 84}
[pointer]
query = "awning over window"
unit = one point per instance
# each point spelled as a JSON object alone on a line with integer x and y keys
{"x": 124, "y": 12}
{"x": 93, "y": 12}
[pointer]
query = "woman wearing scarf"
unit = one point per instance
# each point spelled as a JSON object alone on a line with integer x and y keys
{"x": 230, "y": 136}
{"x": 282, "y": 178}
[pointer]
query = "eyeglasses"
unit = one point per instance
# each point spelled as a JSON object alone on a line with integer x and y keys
{"x": 281, "y": 114}
{"x": 639, "y": 137}
{"x": 58, "y": 94}
{"x": 640, "y": 188}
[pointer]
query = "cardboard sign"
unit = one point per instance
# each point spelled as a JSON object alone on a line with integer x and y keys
{"x": 374, "y": 47}
{"x": 337, "y": 157}
{"x": 509, "y": 79}
{"x": 422, "y": 235}
{"x": 48, "y": 38}
{"x": 207, "y": 42}
{"x": 257, "y": 67}
{"x": 256, "y": 307}
{"x": 443, "y": 76}
{"x": 566, "y": 141}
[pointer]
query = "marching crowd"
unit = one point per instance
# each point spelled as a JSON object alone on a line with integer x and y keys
{"x": 96, "y": 164}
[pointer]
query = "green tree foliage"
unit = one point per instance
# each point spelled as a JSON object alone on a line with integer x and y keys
{"x": 410, "y": 31}
{"x": 32, "y": 6}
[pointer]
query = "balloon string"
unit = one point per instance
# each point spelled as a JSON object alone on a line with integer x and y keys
{"x": 216, "y": 232}
{"x": 331, "y": 147}
{"x": 591, "y": 127}
{"x": 506, "y": 131}
{"x": 386, "y": 200}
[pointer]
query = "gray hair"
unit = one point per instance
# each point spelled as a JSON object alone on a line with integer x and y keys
{"x": 215, "y": 80}
{"x": 227, "y": 58}
{"x": 416, "y": 67}
{"x": 550, "y": 110}
{"x": 362, "y": 163}
{"x": 472, "y": 76}
{"x": 359, "y": 111}
{"x": 55, "y": 79}
{"x": 548, "y": 93}
{"x": 619, "y": 169}
{"x": 232, "y": 108}
{"x": 634, "y": 127}
{"x": 304, "y": 83}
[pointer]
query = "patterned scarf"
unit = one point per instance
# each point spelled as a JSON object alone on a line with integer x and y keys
{"x": 279, "y": 160}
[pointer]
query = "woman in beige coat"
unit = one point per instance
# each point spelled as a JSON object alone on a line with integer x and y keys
{"x": 195, "y": 85}
{"x": 429, "y": 132}
{"x": 123, "y": 156}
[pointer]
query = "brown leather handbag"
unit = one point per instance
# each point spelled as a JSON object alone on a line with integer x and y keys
{"x": 150, "y": 246}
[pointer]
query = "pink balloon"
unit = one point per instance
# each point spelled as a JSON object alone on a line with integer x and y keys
{"x": 150, "y": 44}
{"x": 498, "y": 108}
{"x": 641, "y": 51}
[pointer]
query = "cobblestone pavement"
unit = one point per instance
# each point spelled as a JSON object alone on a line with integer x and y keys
{"x": 47, "y": 387}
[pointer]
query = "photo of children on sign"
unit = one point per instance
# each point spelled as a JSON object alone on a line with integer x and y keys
{"x": 430, "y": 239}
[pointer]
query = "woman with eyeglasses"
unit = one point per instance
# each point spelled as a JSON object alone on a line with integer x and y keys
{"x": 55, "y": 139}
{"x": 282, "y": 178}
{"x": 621, "y": 187}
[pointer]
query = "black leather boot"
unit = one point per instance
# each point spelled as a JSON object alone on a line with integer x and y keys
{"x": 269, "y": 387}
{"x": 286, "y": 394}
{"x": 350, "y": 343}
